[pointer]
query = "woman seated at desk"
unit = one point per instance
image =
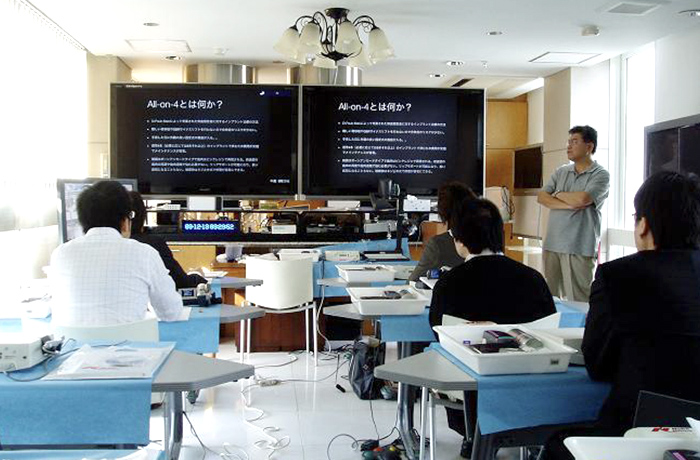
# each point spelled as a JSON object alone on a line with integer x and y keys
{"x": 139, "y": 233}
{"x": 488, "y": 286}
{"x": 440, "y": 250}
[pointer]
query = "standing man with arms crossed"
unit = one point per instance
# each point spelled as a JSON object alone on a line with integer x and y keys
{"x": 575, "y": 194}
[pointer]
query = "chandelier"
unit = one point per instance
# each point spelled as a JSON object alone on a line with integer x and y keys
{"x": 327, "y": 39}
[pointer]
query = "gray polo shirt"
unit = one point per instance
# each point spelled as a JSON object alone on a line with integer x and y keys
{"x": 576, "y": 231}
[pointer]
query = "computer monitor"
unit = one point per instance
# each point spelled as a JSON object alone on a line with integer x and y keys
{"x": 68, "y": 191}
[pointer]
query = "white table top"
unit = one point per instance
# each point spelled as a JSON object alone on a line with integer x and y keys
{"x": 427, "y": 369}
{"x": 600, "y": 448}
{"x": 188, "y": 372}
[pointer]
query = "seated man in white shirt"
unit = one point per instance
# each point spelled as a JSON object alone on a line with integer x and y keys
{"x": 104, "y": 278}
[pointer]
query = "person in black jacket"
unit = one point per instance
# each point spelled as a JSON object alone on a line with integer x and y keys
{"x": 643, "y": 327}
{"x": 488, "y": 286}
{"x": 138, "y": 233}
{"x": 440, "y": 250}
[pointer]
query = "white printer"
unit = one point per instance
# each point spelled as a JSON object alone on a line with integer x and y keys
{"x": 20, "y": 351}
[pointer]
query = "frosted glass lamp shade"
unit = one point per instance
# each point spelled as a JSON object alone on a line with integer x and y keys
{"x": 379, "y": 47}
{"x": 310, "y": 39}
{"x": 361, "y": 60}
{"x": 324, "y": 62}
{"x": 348, "y": 41}
{"x": 288, "y": 43}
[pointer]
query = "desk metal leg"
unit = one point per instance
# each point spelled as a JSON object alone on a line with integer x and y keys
{"x": 431, "y": 424}
{"x": 315, "y": 324}
{"x": 306, "y": 327}
{"x": 423, "y": 420}
{"x": 249, "y": 332}
{"x": 173, "y": 425}
{"x": 483, "y": 445}
{"x": 405, "y": 409}
{"x": 241, "y": 339}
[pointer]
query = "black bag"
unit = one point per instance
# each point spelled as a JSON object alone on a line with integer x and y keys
{"x": 366, "y": 355}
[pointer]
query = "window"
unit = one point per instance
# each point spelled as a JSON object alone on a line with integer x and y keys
{"x": 44, "y": 120}
{"x": 638, "y": 97}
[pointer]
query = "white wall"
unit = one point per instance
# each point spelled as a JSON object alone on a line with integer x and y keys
{"x": 101, "y": 72}
{"x": 677, "y": 92}
{"x": 535, "y": 116}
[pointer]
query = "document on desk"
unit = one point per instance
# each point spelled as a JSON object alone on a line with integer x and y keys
{"x": 112, "y": 362}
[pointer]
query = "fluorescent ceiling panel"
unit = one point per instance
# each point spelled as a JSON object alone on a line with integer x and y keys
{"x": 159, "y": 46}
{"x": 554, "y": 57}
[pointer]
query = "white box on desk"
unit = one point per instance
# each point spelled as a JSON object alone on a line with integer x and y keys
{"x": 412, "y": 306}
{"x": 296, "y": 254}
{"x": 553, "y": 358}
{"x": 342, "y": 256}
{"x": 402, "y": 271}
{"x": 366, "y": 273}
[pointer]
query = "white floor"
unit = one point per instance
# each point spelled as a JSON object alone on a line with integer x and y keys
{"x": 294, "y": 419}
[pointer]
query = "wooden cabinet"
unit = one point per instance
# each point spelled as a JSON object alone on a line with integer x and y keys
{"x": 506, "y": 129}
{"x": 193, "y": 257}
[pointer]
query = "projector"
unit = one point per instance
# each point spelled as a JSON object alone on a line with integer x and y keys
{"x": 19, "y": 351}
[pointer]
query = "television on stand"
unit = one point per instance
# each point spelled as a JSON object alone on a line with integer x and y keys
{"x": 419, "y": 138}
{"x": 199, "y": 139}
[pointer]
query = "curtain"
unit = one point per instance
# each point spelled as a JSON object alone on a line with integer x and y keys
{"x": 43, "y": 120}
{"x": 43, "y": 115}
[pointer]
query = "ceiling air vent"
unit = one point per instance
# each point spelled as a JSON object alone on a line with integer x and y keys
{"x": 633, "y": 8}
{"x": 462, "y": 82}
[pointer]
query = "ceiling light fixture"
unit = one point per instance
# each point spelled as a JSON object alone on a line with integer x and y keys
{"x": 590, "y": 31}
{"x": 690, "y": 13}
{"x": 173, "y": 58}
{"x": 454, "y": 63}
{"x": 494, "y": 33}
{"x": 436, "y": 75}
{"x": 328, "y": 38}
{"x": 151, "y": 24}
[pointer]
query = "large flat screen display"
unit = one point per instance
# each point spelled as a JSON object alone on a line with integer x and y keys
{"x": 419, "y": 138}
{"x": 206, "y": 139}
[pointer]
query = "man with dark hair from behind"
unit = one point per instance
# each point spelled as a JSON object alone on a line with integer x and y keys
{"x": 440, "y": 250}
{"x": 139, "y": 233}
{"x": 643, "y": 327}
{"x": 488, "y": 286}
{"x": 104, "y": 278}
{"x": 575, "y": 194}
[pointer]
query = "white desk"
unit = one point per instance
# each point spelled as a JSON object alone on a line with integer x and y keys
{"x": 600, "y": 448}
{"x": 187, "y": 372}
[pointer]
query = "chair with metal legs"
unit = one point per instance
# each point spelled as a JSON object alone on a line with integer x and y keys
{"x": 287, "y": 288}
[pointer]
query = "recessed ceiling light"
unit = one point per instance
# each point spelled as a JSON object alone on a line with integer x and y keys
{"x": 278, "y": 62}
{"x": 454, "y": 63}
{"x": 590, "y": 31}
{"x": 563, "y": 58}
{"x": 159, "y": 46}
{"x": 436, "y": 75}
{"x": 494, "y": 33}
{"x": 691, "y": 13}
{"x": 220, "y": 51}
{"x": 151, "y": 24}
{"x": 173, "y": 58}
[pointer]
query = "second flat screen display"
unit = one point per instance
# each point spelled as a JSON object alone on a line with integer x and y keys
{"x": 419, "y": 138}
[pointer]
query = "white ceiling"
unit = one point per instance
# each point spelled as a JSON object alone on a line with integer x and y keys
{"x": 424, "y": 34}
